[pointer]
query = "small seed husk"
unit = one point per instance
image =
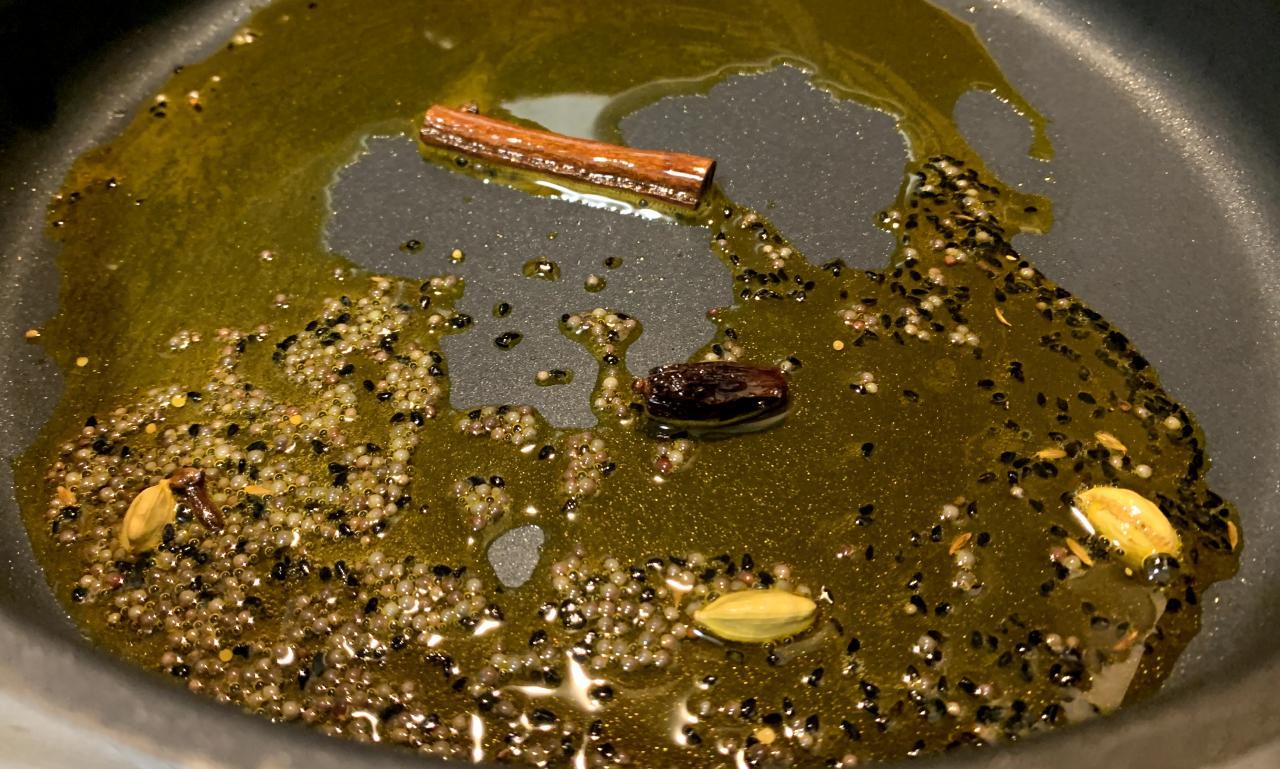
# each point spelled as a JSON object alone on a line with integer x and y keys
{"x": 1110, "y": 442}
{"x": 1133, "y": 524}
{"x": 1078, "y": 551}
{"x": 757, "y": 616}
{"x": 149, "y": 512}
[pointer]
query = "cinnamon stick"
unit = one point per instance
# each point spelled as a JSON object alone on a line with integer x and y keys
{"x": 675, "y": 177}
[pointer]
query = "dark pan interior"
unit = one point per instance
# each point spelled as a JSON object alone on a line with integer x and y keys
{"x": 1167, "y": 189}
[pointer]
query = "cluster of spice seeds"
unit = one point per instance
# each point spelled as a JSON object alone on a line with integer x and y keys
{"x": 606, "y": 334}
{"x": 333, "y": 591}
{"x": 586, "y": 466}
{"x": 287, "y": 474}
{"x": 672, "y": 456}
{"x": 517, "y": 425}
{"x": 621, "y": 616}
{"x": 483, "y": 501}
{"x": 725, "y": 348}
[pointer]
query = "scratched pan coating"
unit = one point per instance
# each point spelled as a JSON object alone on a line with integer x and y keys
{"x": 1166, "y": 187}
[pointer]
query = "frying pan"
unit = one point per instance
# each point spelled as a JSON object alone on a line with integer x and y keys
{"x": 1167, "y": 188}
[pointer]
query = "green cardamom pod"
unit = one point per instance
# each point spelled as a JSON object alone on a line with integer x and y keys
{"x": 154, "y": 508}
{"x": 757, "y": 616}
{"x": 1133, "y": 524}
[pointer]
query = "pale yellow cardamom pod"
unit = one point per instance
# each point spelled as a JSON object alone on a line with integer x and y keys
{"x": 757, "y": 616}
{"x": 1133, "y": 524}
{"x": 149, "y": 512}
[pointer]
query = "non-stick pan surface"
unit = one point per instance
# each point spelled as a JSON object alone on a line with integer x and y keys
{"x": 1167, "y": 187}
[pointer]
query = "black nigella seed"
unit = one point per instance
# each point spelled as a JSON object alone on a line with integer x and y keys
{"x": 601, "y": 692}
{"x": 815, "y": 677}
{"x": 391, "y": 711}
{"x": 850, "y": 730}
{"x": 180, "y": 671}
{"x": 747, "y": 709}
{"x": 508, "y": 339}
{"x": 79, "y": 593}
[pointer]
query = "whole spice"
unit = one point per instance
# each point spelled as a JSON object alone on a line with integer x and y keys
{"x": 149, "y": 512}
{"x": 757, "y": 616}
{"x": 1110, "y": 442}
{"x": 671, "y": 176}
{"x": 1079, "y": 551}
{"x": 713, "y": 398}
{"x": 959, "y": 542}
{"x": 1133, "y": 524}
{"x": 188, "y": 483}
